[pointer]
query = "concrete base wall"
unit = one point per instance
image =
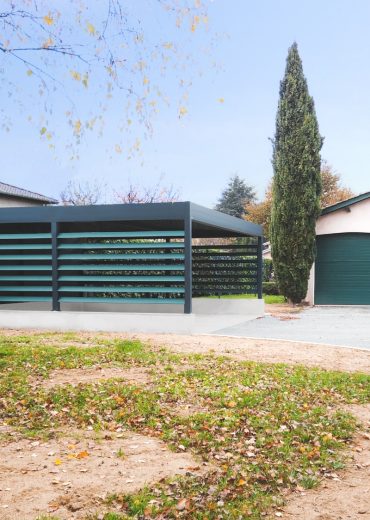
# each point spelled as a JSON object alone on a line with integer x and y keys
{"x": 228, "y": 306}
{"x": 210, "y": 315}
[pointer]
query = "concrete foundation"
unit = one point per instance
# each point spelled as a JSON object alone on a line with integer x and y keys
{"x": 209, "y": 315}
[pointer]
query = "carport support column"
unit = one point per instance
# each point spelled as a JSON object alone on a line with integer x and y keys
{"x": 54, "y": 266}
{"x": 259, "y": 268}
{"x": 188, "y": 264}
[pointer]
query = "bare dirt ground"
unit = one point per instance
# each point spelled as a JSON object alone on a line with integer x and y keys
{"x": 71, "y": 476}
{"x": 75, "y": 376}
{"x": 344, "y": 495}
{"x": 265, "y": 351}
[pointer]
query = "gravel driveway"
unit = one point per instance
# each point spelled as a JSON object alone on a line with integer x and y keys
{"x": 344, "y": 326}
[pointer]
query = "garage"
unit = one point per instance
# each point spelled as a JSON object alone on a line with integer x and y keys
{"x": 342, "y": 273}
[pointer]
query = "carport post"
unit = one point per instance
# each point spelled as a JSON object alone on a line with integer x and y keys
{"x": 259, "y": 268}
{"x": 54, "y": 266}
{"x": 188, "y": 264}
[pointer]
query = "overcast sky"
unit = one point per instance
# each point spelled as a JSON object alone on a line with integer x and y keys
{"x": 200, "y": 151}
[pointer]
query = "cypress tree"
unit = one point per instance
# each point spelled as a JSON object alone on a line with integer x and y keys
{"x": 296, "y": 183}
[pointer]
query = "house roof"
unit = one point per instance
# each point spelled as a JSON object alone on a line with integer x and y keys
{"x": 13, "y": 191}
{"x": 346, "y": 203}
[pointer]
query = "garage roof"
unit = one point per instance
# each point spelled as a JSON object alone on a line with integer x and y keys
{"x": 346, "y": 203}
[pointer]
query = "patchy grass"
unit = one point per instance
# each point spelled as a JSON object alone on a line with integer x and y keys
{"x": 268, "y": 298}
{"x": 262, "y": 428}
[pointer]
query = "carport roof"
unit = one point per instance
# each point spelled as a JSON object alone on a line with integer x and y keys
{"x": 206, "y": 223}
{"x": 346, "y": 203}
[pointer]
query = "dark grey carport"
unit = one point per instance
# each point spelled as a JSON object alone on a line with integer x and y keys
{"x": 71, "y": 235}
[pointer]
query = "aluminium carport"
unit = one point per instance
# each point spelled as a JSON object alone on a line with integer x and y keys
{"x": 125, "y": 254}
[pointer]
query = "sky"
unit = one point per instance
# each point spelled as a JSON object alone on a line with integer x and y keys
{"x": 231, "y": 106}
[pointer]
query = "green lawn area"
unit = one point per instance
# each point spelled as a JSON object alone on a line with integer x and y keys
{"x": 268, "y": 298}
{"x": 264, "y": 429}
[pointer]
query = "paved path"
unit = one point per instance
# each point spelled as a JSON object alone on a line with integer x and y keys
{"x": 345, "y": 326}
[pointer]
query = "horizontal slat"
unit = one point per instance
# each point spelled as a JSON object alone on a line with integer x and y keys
{"x": 124, "y": 267}
{"x": 121, "y": 278}
{"x": 25, "y": 278}
{"x": 121, "y": 234}
{"x": 23, "y": 236}
{"x": 146, "y": 245}
{"x": 25, "y": 257}
{"x": 25, "y": 267}
{"x": 24, "y": 246}
{"x": 25, "y": 299}
{"x": 24, "y": 288}
{"x": 118, "y": 289}
{"x": 217, "y": 255}
{"x": 229, "y": 246}
{"x": 118, "y": 256}
{"x": 71, "y": 299}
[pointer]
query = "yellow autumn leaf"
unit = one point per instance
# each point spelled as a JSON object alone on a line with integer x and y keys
{"x": 182, "y": 111}
{"x": 48, "y": 19}
{"x": 43, "y": 130}
{"x": 77, "y": 126}
{"x": 231, "y": 404}
{"x": 145, "y": 80}
{"x": 85, "y": 80}
{"x": 57, "y": 462}
{"x": 242, "y": 482}
{"x": 82, "y": 455}
{"x": 76, "y": 75}
{"x": 91, "y": 29}
{"x": 221, "y": 100}
{"x": 29, "y": 72}
{"x": 48, "y": 43}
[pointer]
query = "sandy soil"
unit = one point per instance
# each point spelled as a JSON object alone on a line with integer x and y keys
{"x": 75, "y": 376}
{"x": 266, "y": 351}
{"x": 71, "y": 476}
{"x": 344, "y": 495}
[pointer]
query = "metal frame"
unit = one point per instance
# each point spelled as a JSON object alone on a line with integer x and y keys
{"x": 194, "y": 220}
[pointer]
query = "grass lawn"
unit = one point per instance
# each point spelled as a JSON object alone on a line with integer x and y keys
{"x": 263, "y": 429}
{"x": 269, "y": 298}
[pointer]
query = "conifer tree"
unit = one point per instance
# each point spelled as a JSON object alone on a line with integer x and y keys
{"x": 296, "y": 183}
{"x": 235, "y": 197}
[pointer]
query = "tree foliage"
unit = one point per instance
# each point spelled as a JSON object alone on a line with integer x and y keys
{"x": 296, "y": 182}
{"x": 260, "y": 212}
{"x": 332, "y": 192}
{"x": 332, "y": 189}
{"x": 69, "y": 60}
{"x": 95, "y": 192}
{"x": 235, "y": 197}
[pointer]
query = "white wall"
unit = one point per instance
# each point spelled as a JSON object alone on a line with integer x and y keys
{"x": 357, "y": 220}
{"x": 11, "y": 202}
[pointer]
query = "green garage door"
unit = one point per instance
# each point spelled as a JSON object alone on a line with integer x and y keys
{"x": 342, "y": 272}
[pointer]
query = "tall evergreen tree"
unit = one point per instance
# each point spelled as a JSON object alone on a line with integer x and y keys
{"x": 296, "y": 183}
{"x": 235, "y": 197}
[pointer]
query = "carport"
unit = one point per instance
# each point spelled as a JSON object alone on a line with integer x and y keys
{"x": 147, "y": 258}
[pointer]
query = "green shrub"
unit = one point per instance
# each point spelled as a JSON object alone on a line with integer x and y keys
{"x": 268, "y": 269}
{"x": 270, "y": 288}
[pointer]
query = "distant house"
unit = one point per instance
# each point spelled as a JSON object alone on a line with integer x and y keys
{"x": 13, "y": 196}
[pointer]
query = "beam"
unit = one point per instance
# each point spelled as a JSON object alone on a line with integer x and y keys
{"x": 188, "y": 265}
